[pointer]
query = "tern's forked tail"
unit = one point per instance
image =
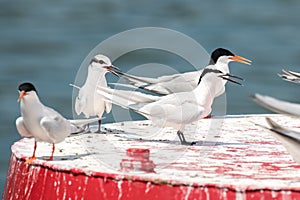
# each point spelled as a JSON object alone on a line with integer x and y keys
{"x": 132, "y": 100}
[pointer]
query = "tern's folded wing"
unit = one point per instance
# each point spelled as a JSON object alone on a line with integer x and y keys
{"x": 23, "y": 131}
{"x": 276, "y": 105}
{"x": 164, "y": 85}
{"x": 57, "y": 128}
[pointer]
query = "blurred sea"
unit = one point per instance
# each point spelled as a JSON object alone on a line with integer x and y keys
{"x": 45, "y": 42}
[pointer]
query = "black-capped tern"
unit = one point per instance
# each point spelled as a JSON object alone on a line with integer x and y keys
{"x": 43, "y": 123}
{"x": 184, "y": 82}
{"x": 173, "y": 110}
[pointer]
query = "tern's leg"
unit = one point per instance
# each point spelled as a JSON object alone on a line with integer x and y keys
{"x": 53, "y": 149}
{"x": 182, "y": 139}
{"x": 32, "y": 158}
{"x": 87, "y": 130}
{"x": 99, "y": 125}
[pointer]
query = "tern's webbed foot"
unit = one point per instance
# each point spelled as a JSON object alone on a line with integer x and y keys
{"x": 188, "y": 143}
{"x": 30, "y": 160}
{"x": 100, "y": 132}
{"x": 183, "y": 141}
{"x": 48, "y": 159}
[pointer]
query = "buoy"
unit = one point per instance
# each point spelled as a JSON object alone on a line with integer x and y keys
{"x": 134, "y": 160}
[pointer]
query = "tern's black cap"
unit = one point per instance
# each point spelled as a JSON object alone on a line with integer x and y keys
{"x": 218, "y": 53}
{"x": 27, "y": 87}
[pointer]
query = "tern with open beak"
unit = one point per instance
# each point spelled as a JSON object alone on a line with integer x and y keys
{"x": 164, "y": 85}
{"x": 177, "y": 109}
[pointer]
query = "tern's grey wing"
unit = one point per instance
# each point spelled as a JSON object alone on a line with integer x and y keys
{"x": 176, "y": 83}
{"x": 289, "y": 138}
{"x": 55, "y": 125}
{"x": 278, "y": 106}
{"x": 164, "y": 85}
{"x": 23, "y": 131}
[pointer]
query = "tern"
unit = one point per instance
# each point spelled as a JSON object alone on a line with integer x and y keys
{"x": 290, "y": 139}
{"x": 88, "y": 101}
{"x": 43, "y": 123}
{"x": 184, "y": 82}
{"x": 177, "y": 109}
{"x": 290, "y": 76}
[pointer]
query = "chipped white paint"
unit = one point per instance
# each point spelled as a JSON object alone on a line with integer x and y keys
{"x": 206, "y": 193}
{"x": 240, "y": 196}
{"x": 148, "y": 187}
{"x": 240, "y": 155}
{"x": 188, "y": 192}
{"x": 120, "y": 189}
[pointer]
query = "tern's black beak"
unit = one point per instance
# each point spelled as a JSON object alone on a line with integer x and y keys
{"x": 112, "y": 69}
{"x": 229, "y": 77}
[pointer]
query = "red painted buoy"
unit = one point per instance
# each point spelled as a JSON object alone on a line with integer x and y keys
{"x": 239, "y": 161}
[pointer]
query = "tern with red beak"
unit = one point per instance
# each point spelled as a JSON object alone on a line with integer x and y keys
{"x": 43, "y": 123}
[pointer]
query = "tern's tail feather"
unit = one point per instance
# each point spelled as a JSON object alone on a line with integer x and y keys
{"x": 126, "y": 96}
{"x": 127, "y": 99}
{"x": 81, "y": 122}
{"x": 148, "y": 84}
{"x": 278, "y": 106}
{"x": 77, "y": 124}
{"x": 135, "y": 80}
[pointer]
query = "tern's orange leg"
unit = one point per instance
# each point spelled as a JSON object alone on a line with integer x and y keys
{"x": 32, "y": 158}
{"x": 53, "y": 149}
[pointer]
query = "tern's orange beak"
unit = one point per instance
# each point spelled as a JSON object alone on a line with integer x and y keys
{"x": 22, "y": 94}
{"x": 240, "y": 59}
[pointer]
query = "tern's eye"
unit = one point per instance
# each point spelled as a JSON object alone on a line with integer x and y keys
{"x": 101, "y": 62}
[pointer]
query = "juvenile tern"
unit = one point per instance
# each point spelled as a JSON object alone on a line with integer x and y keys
{"x": 88, "y": 101}
{"x": 184, "y": 82}
{"x": 43, "y": 123}
{"x": 173, "y": 110}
